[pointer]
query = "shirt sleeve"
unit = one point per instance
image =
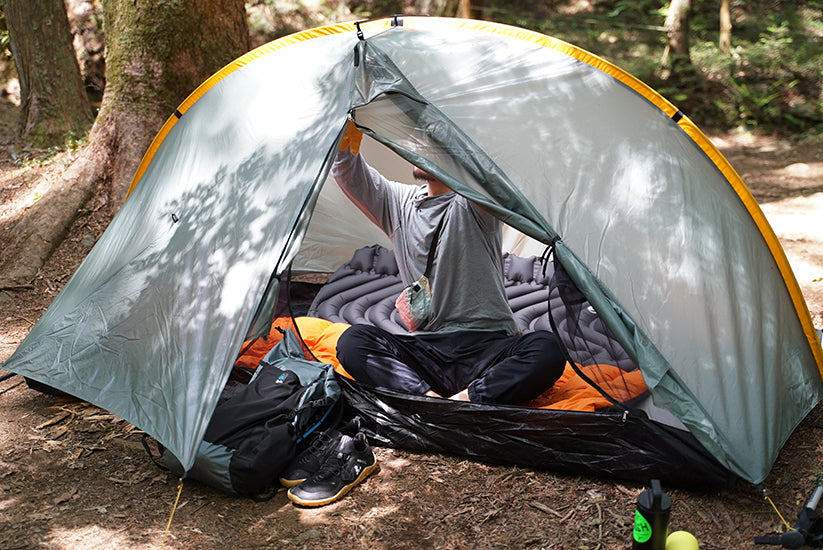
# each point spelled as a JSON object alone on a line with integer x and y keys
{"x": 487, "y": 221}
{"x": 373, "y": 194}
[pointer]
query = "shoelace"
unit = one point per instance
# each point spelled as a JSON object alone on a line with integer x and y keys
{"x": 332, "y": 466}
{"x": 319, "y": 442}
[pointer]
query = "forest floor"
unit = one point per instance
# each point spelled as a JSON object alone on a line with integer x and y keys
{"x": 73, "y": 476}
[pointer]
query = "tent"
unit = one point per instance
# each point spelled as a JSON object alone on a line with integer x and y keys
{"x": 650, "y": 225}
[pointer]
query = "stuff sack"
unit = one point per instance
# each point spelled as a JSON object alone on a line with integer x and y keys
{"x": 254, "y": 430}
{"x": 414, "y": 303}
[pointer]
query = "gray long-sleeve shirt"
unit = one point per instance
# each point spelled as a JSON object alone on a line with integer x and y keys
{"x": 467, "y": 276}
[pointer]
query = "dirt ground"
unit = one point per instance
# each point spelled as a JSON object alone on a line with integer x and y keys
{"x": 75, "y": 477}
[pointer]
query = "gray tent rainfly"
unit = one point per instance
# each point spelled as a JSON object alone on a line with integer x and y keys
{"x": 647, "y": 222}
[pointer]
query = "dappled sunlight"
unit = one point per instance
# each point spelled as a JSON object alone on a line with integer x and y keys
{"x": 798, "y": 175}
{"x": 807, "y": 270}
{"x": 630, "y": 192}
{"x": 797, "y": 223}
{"x": 94, "y": 537}
{"x": 163, "y": 302}
{"x": 239, "y": 278}
{"x": 33, "y": 178}
{"x": 22, "y": 193}
{"x": 762, "y": 144}
{"x": 14, "y": 330}
{"x": 8, "y": 503}
{"x": 319, "y": 516}
{"x": 393, "y": 464}
{"x": 798, "y": 218}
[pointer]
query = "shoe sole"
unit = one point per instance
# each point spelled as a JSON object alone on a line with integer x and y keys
{"x": 289, "y": 483}
{"x": 340, "y": 494}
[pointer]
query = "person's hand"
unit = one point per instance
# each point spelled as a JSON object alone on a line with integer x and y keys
{"x": 351, "y": 139}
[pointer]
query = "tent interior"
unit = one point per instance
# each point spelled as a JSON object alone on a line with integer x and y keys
{"x": 612, "y": 379}
{"x": 345, "y": 273}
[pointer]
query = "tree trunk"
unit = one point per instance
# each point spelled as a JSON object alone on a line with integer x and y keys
{"x": 86, "y": 22}
{"x": 725, "y": 40}
{"x": 464, "y": 10}
{"x": 53, "y": 100}
{"x": 444, "y": 8}
{"x": 157, "y": 52}
{"x": 677, "y": 31}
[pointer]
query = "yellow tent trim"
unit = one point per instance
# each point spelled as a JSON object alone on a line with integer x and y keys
{"x": 564, "y": 47}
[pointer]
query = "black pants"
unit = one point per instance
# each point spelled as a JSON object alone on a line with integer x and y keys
{"x": 495, "y": 368}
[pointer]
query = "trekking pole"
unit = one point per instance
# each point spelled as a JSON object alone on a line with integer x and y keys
{"x": 818, "y": 493}
{"x": 809, "y": 528}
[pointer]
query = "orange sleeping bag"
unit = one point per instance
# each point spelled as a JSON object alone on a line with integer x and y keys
{"x": 570, "y": 392}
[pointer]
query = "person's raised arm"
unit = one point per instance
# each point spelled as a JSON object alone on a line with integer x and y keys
{"x": 351, "y": 139}
{"x": 362, "y": 184}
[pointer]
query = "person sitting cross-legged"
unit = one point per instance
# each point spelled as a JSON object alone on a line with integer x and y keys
{"x": 470, "y": 348}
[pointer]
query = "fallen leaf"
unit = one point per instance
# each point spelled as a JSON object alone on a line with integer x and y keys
{"x": 543, "y": 508}
{"x": 53, "y": 420}
{"x": 59, "y": 432}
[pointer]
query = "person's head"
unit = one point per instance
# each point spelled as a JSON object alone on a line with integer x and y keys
{"x": 435, "y": 186}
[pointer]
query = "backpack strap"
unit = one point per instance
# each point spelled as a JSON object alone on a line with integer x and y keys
{"x": 326, "y": 419}
{"x": 433, "y": 247}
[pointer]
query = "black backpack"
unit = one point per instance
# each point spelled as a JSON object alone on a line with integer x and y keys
{"x": 256, "y": 426}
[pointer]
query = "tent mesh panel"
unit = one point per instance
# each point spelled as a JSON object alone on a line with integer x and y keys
{"x": 591, "y": 348}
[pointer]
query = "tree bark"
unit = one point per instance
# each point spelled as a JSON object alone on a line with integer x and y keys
{"x": 725, "y": 39}
{"x": 677, "y": 31}
{"x": 464, "y": 9}
{"x": 444, "y": 8}
{"x": 157, "y": 53}
{"x": 53, "y": 100}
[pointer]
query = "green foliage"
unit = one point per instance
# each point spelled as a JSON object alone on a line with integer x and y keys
{"x": 772, "y": 80}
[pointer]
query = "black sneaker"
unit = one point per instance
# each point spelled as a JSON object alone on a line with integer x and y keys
{"x": 352, "y": 463}
{"x": 306, "y": 464}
